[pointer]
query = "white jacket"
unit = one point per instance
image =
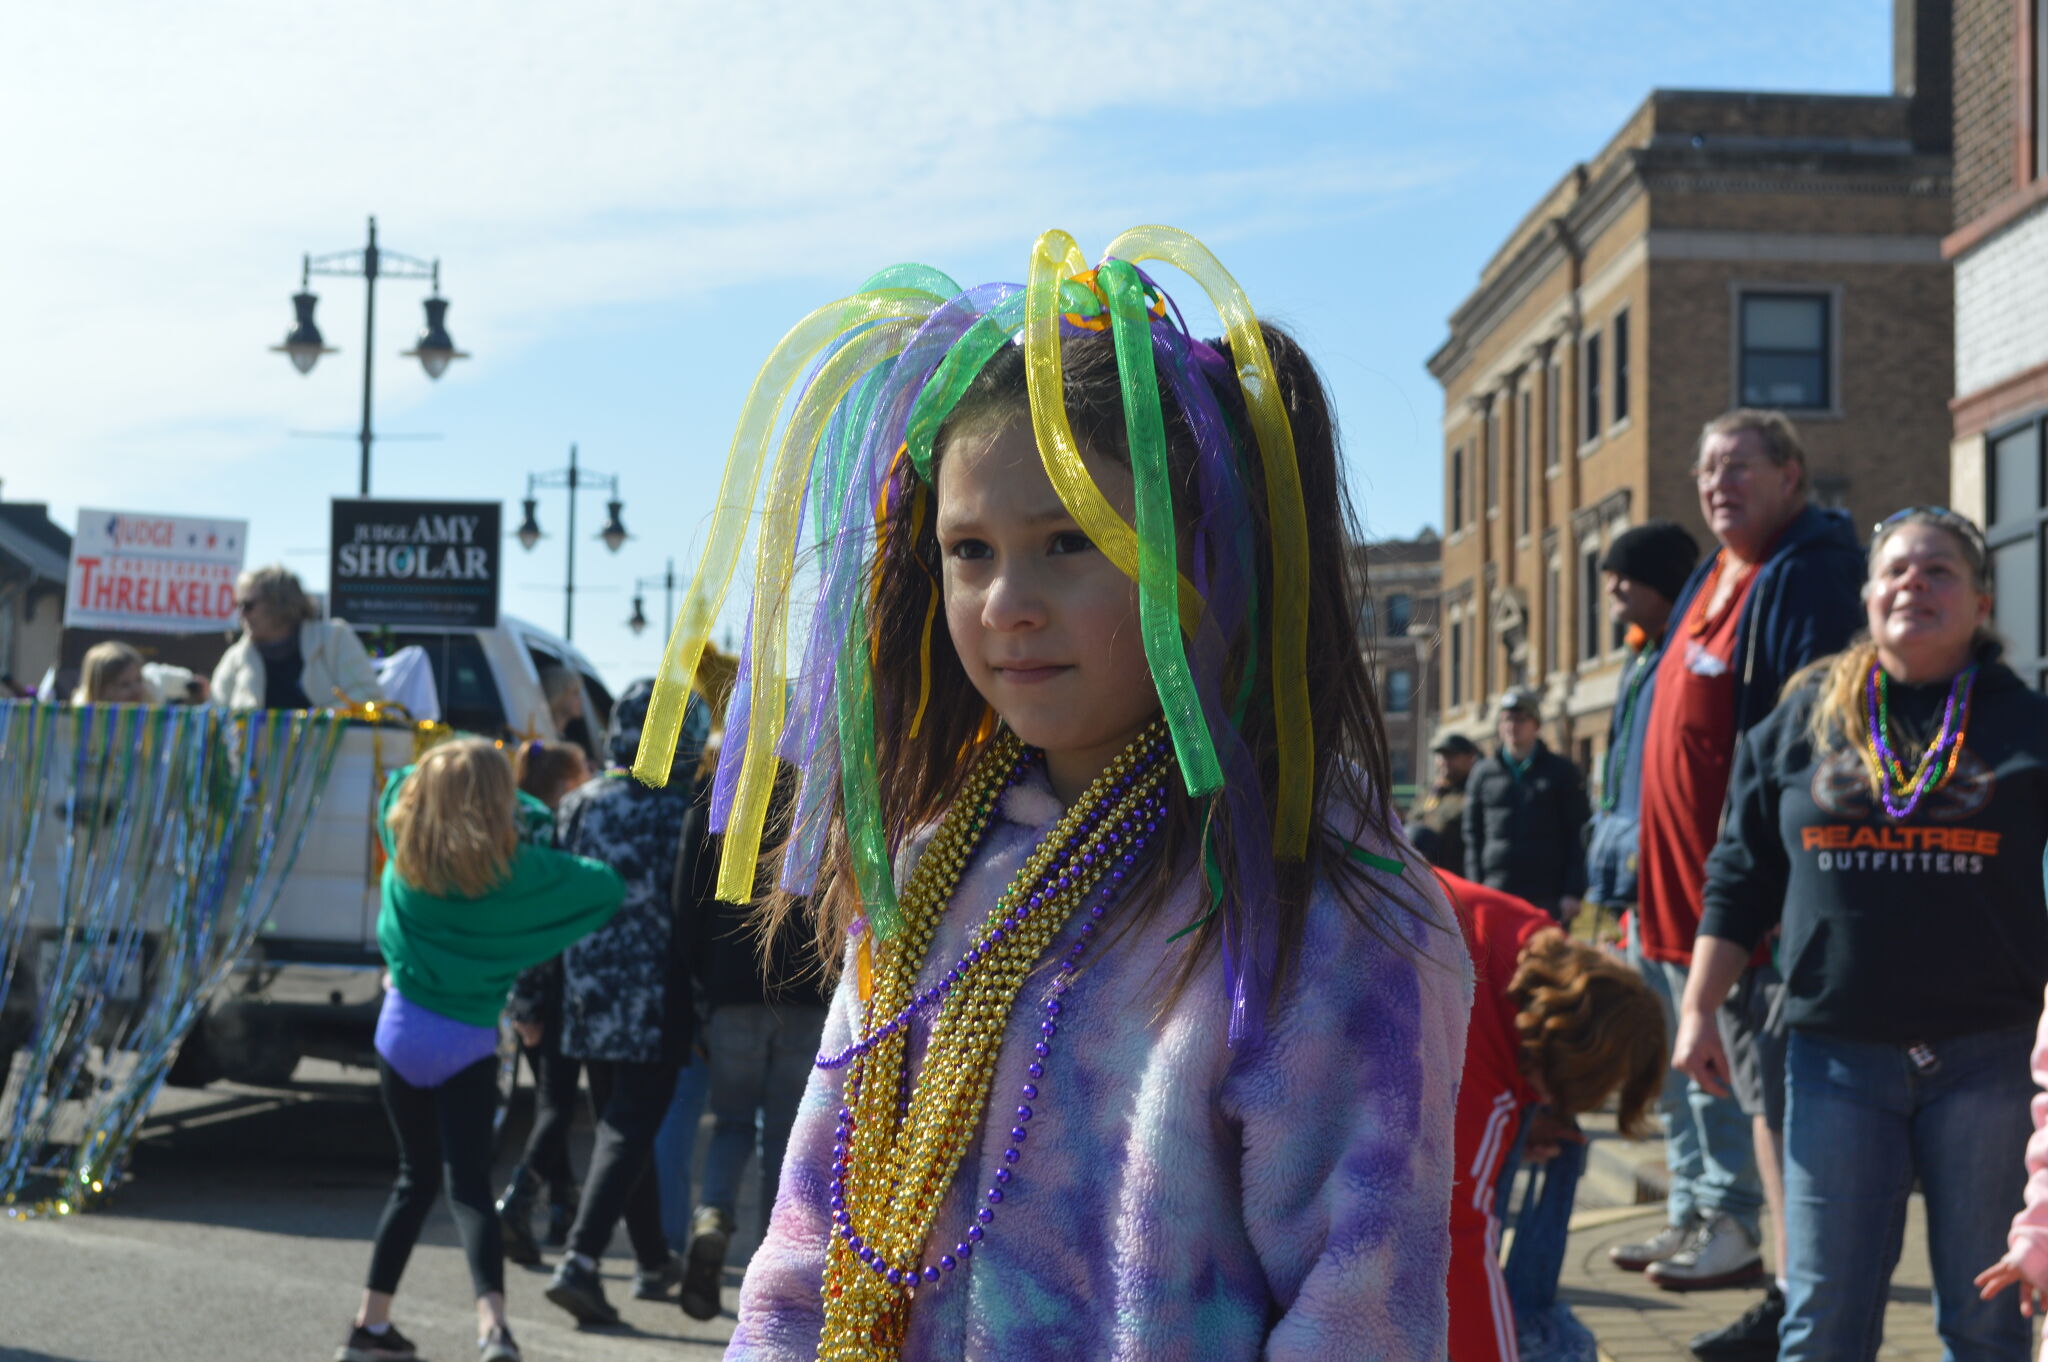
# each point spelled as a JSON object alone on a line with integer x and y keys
{"x": 334, "y": 660}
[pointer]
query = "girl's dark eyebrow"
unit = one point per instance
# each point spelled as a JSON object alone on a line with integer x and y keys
{"x": 1045, "y": 515}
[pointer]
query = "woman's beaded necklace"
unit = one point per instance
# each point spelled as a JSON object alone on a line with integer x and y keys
{"x": 1901, "y": 794}
{"x": 898, "y": 1146}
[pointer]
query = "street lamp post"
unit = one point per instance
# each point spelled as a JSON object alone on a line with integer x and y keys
{"x": 667, "y": 582}
{"x": 613, "y": 534}
{"x": 304, "y": 345}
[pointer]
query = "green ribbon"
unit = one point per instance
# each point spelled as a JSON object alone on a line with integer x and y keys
{"x": 1158, "y": 564}
{"x": 1366, "y": 858}
{"x": 860, "y": 786}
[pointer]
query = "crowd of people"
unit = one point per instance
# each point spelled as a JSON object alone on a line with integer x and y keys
{"x": 1819, "y": 831}
{"x": 589, "y": 921}
{"x": 1092, "y": 998}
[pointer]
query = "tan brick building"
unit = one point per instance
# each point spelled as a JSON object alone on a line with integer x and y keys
{"x": 1724, "y": 249}
{"x": 1399, "y": 635}
{"x": 2000, "y": 251}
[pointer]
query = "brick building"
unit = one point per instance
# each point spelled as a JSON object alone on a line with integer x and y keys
{"x": 1999, "y": 247}
{"x": 1724, "y": 249}
{"x": 1399, "y": 635}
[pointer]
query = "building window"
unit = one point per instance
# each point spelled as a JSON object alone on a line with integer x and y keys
{"x": 1553, "y": 412}
{"x": 1591, "y": 366}
{"x": 1400, "y": 691}
{"x": 1482, "y": 644}
{"x": 1785, "y": 359}
{"x": 1620, "y": 366}
{"x": 1553, "y": 616}
{"x": 1522, "y": 478}
{"x": 1589, "y": 601}
{"x": 2019, "y": 521}
{"x": 1458, "y": 488}
{"x": 1404, "y": 766}
{"x": 1457, "y": 663}
{"x": 1492, "y": 438}
{"x": 1399, "y": 610}
{"x": 2037, "y": 93}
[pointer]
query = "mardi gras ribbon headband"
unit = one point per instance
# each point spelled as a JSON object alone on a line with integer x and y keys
{"x": 860, "y": 388}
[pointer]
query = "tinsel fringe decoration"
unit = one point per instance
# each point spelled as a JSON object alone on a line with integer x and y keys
{"x": 145, "y": 844}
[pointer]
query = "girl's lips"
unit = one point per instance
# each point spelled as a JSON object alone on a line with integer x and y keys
{"x": 1028, "y": 676}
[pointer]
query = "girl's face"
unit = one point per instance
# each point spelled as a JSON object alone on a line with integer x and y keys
{"x": 1046, "y": 627}
{"x": 1923, "y": 606}
{"x": 126, "y": 687}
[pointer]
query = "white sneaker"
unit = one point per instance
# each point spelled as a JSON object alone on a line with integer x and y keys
{"x": 1720, "y": 1254}
{"x": 1659, "y": 1246}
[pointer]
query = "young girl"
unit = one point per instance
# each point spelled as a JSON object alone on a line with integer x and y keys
{"x": 111, "y": 674}
{"x": 1147, "y": 1048}
{"x": 1557, "y": 1025}
{"x": 467, "y": 906}
{"x": 548, "y": 770}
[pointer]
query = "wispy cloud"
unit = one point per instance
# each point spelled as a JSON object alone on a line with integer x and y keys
{"x": 565, "y": 158}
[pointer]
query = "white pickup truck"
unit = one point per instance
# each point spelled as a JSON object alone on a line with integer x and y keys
{"x": 313, "y": 982}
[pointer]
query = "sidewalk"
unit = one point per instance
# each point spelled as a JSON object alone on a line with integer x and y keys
{"x": 1636, "y": 1322}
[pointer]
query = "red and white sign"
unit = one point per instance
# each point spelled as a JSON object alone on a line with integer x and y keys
{"x": 161, "y": 574}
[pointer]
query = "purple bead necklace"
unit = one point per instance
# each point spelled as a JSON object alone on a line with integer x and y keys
{"x": 1113, "y": 861}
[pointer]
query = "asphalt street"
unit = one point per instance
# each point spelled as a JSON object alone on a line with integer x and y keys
{"x": 244, "y": 1234}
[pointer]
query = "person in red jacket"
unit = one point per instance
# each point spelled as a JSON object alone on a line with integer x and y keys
{"x": 1557, "y": 1026}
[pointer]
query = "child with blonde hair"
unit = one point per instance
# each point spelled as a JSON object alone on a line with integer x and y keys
{"x": 467, "y": 905}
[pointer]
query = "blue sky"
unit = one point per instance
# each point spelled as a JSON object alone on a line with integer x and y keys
{"x": 632, "y": 201}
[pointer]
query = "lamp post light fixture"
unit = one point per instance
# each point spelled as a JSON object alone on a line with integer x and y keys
{"x": 667, "y": 582}
{"x": 613, "y": 535}
{"x": 304, "y": 344}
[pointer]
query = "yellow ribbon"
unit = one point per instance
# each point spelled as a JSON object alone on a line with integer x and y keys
{"x": 736, "y": 490}
{"x": 1054, "y": 258}
{"x": 1288, "y": 515}
{"x": 781, "y": 519}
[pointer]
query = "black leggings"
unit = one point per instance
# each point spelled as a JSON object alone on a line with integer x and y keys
{"x": 631, "y": 1100}
{"x": 555, "y": 1078}
{"x": 446, "y": 1126}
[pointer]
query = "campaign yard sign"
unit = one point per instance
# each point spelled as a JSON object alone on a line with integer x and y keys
{"x": 157, "y": 574}
{"x": 414, "y": 564}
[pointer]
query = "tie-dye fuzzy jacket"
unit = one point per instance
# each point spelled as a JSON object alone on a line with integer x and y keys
{"x": 1178, "y": 1199}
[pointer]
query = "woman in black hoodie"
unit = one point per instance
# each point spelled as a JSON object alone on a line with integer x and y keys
{"x": 1888, "y": 819}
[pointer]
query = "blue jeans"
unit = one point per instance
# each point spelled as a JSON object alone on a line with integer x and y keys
{"x": 675, "y": 1145}
{"x": 761, "y": 1060}
{"x": 1536, "y": 1259}
{"x": 1861, "y": 1122}
{"x": 1709, "y": 1145}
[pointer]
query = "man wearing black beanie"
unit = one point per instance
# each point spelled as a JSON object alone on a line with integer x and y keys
{"x": 1645, "y": 569}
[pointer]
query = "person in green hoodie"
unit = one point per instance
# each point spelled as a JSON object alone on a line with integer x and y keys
{"x": 467, "y": 905}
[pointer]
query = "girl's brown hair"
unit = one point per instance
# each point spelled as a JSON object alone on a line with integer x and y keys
{"x": 1588, "y": 1025}
{"x": 102, "y": 666}
{"x": 920, "y": 777}
{"x": 453, "y": 834}
{"x": 1838, "y": 709}
{"x": 545, "y": 767}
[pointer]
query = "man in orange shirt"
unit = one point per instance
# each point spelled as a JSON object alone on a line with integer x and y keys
{"x": 1781, "y": 591}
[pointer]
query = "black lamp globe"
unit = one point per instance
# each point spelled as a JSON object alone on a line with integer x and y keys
{"x": 638, "y": 623}
{"x": 435, "y": 350}
{"x": 614, "y": 532}
{"x": 303, "y": 342}
{"x": 529, "y": 528}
